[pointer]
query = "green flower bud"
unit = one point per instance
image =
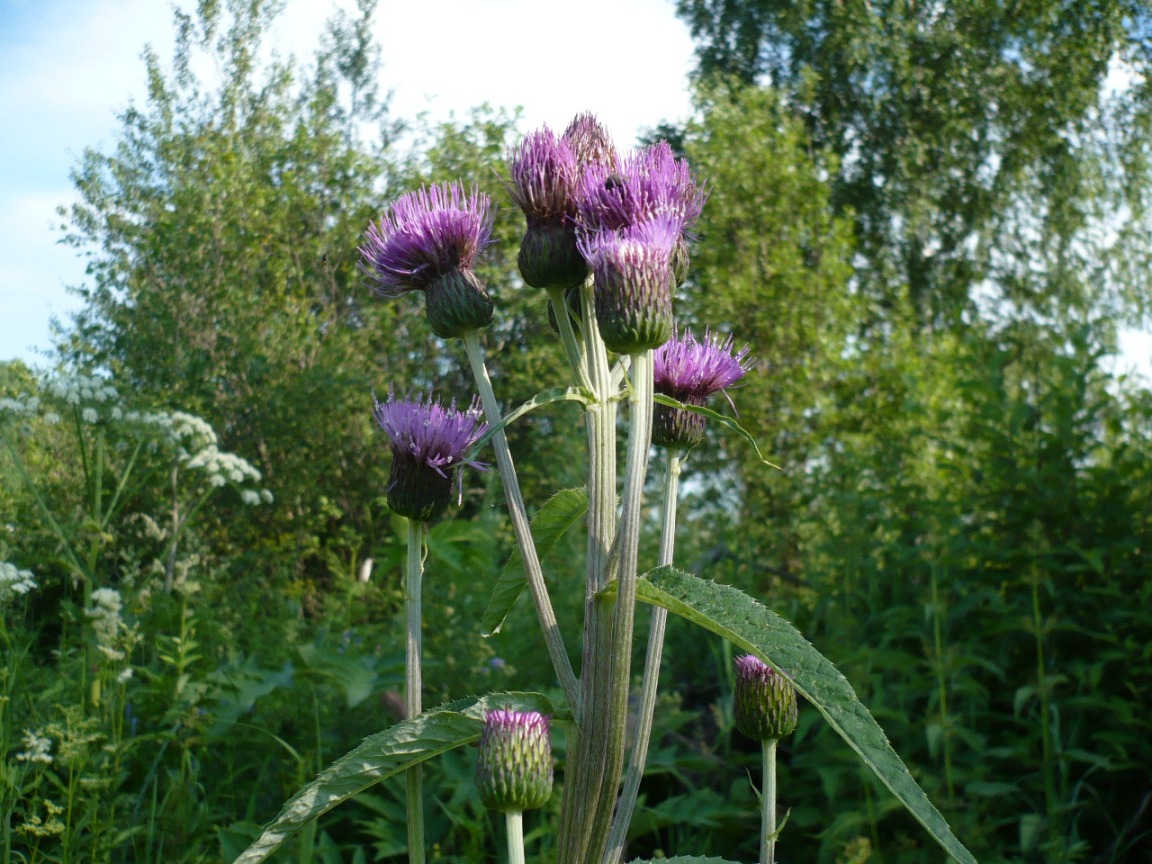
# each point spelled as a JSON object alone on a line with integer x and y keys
{"x": 514, "y": 771}
{"x": 765, "y": 700}
{"x": 456, "y": 303}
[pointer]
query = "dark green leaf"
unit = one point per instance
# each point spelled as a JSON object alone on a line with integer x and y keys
{"x": 382, "y": 755}
{"x": 560, "y": 512}
{"x": 734, "y": 615}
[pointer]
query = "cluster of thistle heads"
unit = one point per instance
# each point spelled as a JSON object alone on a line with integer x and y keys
{"x": 624, "y": 218}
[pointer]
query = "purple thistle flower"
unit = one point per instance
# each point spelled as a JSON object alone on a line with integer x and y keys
{"x": 428, "y": 442}
{"x": 590, "y": 142}
{"x": 429, "y": 240}
{"x": 648, "y": 183}
{"x": 633, "y": 274}
{"x": 690, "y": 371}
{"x": 544, "y": 181}
{"x": 765, "y": 700}
{"x": 514, "y": 771}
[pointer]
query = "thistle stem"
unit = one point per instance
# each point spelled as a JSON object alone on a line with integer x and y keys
{"x": 572, "y": 345}
{"x": 619, "y": 833}
{"x": 413, "y": 683}
{"x": 768, "y": 804}
{"x": 639, "y": 443}
{"x": 514, "y": 820}
{"x": 588, "y": 744}
{"x": 520, "y": 526}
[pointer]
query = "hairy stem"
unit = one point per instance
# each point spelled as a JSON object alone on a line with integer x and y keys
{"x": 520, "y": 526}
{"x": 619, "y": 833}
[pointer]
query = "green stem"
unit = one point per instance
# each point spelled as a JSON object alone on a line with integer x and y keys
{"x": 121, "y": 483}
{"x": 514, "y": 819}
{"x": 572, "y": 345}
{"x": 587, "y": 742}
{"x": 521, "y": 527}
{"x": 639, "y": 443}
{"x": 619, "y": 833}
{"x": 768, "y": 804}
{"x": 413, "y": 683}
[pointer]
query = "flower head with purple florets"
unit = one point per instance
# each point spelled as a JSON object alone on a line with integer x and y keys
{"x": 544, "y": 181}
{"x": 764, "y": 702}
{"x": 690, "y": 371}
{"x": 632, "y": 269}
{"x": 428, "y": 442}
{"x": 647, "y": 183}
{"x": 429, "y": 240}
{"x": 590, "y": 142}
{"x": 514, "y": 771}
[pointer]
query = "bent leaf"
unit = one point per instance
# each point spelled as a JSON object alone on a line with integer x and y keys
{"x": 731, "y": 613}
{"x": 384, "y": 754}
{"x": 557, "y": 515}
{"x": 723, "y": 420}
{"x": 556, "y": 394}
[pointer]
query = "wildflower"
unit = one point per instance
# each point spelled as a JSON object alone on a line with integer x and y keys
{"x": 429, "y": 241}
{"x": 14, "y": 582}
{"x": 514, "y": 771}
{"x": 107, "y": 625}
{"x": 38, "y": 748}
{"x": 544, "y": 179}
{"x": 428, "y": 441}
{"x": 633, "y": 283}
{"x": 690, "y": 371}
{"x": 765, "y": 700}
{"x": 590, "y": 142}
{"x": 646, "y": 185}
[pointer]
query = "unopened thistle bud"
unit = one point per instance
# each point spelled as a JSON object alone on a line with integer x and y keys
{"x": 429, "y": 241}
{"x": 514, "y": 771}
{"x": 690, "y": 371}
{"x": 428, "y": 442}
{"x": 765, "y": 700}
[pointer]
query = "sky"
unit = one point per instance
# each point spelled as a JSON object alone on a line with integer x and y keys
{"x": 69, "y": 67}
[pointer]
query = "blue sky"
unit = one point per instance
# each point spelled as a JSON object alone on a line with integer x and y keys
{"x": 68, "y": 67}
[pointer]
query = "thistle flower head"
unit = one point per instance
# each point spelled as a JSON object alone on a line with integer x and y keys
{"x": 646, "y": 184}
{"x": 514, "y": 771}
{"x": 590, "y": 142}
{"x": 690, "y": 371}
{"x": 765, "y": 704}
{"x": 544, "y": 184}
{"x": 428, "y": 442}
{"x": 424, "y": 235}
{"x": 429, "y": 240}
{"x": 544, "y": 177}
{"x": 632, "y": 267}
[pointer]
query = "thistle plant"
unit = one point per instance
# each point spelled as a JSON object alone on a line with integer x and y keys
{"x": 607, "y": 239}
{"x": 765, "y": 709}
{"x": 428, "y": 443}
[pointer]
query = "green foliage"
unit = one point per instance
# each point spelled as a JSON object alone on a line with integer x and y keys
{"x": 979, "y": 146}
{"x": 749, "y": 625}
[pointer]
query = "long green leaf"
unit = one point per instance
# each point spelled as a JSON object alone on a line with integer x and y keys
{"x": 557, "y": 515}
{"x": 683, "y": 859}
{"x": 731, "y": 613}
{"x": 556, "y": 394}
{"x": 725, "y": 421}
{"x": 382, "y": 755}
